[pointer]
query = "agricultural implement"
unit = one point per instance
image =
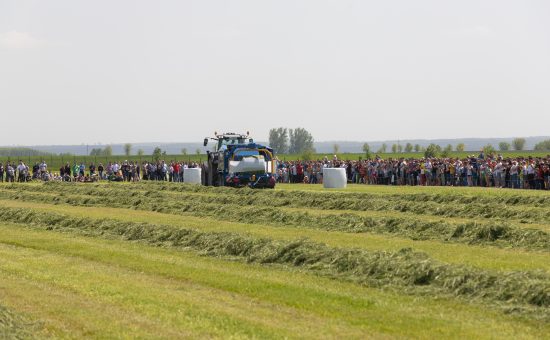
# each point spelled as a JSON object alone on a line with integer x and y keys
{"x": 238, "y": 161}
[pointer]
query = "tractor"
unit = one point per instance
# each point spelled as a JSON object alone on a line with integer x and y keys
{"x": 237, "y": 161}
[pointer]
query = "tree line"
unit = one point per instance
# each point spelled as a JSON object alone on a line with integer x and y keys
{"x": 291, "y": 141}
{"x": 21, "y": 151}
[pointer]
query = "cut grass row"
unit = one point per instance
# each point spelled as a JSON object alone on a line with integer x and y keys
{"x": 14, "y": 326}
{"x": 493, "y": 233}
{"x": 194, "y": 193}
{"x": 478, "y": 256}
{"x": 522, "y": 292}
{"x": 496, "y": 280}
{"x": 80, "y": 286}
{"x": 329, "y": 201}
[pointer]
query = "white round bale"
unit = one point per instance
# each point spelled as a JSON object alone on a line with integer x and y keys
{"x": 192, "y": 176}
{"x": 334, "y": 178}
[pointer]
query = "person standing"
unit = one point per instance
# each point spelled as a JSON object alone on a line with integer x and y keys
{"x": 514, "y": 175}
{"x": 43, "y": 168}
{"x": 100, "y": 170}
{"x": 22, "y": 172}
{"x": 531, "y": 174}
{"x": 10, "y": 173}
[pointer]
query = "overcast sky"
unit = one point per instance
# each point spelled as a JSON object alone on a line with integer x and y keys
{"x": 76, "y": 72}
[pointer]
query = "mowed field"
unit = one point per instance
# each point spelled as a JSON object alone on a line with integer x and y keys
{"x": 165, "y": 260}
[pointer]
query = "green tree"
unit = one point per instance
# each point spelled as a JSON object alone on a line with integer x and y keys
{"x": 417, "y": 148}
{"x": 366, "y": 150}
{"x": 383, "y": 148}
{"x": 518, "y": 143}
{"x": 336, "y": 149}
{"x": 447, "y": 151}
{"x": 184, "y": 151}
{"x": 140, "y": 152}
{"x": 394, "y": 148}
{"x": 432, "y": 151}
{"x": 157, "y": 153}
{"x": 399, "y": 148}
{"x": 107, "y": 151}
{"x": 127, "y": 149}
{"x": 488, "y": 150}
{"x": 198, "y": 152}
{"x": 96, "y": 152}
{"x": 408, "y": 147}
{"x": 504, "y": 146}
{"x": 300, "y": 141}
{"x": 543, "y": 146}
{"x": 278, "y": 140}
{"x": 460, "y": 147}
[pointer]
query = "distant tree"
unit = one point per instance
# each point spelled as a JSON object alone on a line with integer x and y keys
{"x": 127, "y": 149}
{"x": 432, "y": 151}
{"x": 460, "y": 147}
{"x": 504, "y": 146}
{"x": 278, "y": 140}
{"x": 489, "y": 150}
{"x": 198, "y": 152}
{"x": 157, "y": 153}
{"x": 447, "y": 151}
{"x": 300, "y": 141}
{"x": 366, "y": 150}
{"x": 336, "y": 149}
{"x": 408, "y": 147}
{"x": 140, "y": 152}
{"x": 519, "y": 144}
{"x": 394, "y": 148}
{"x": 417, "y": 148}
{"x": 543, "y": 146}
{"x": 107, "y": 151}
{"x": 383, "y": 148}
{"x": 184, "y": 151}
{"x": 96, "y": 152}
{"x": 21, "y": 152}
{"x": 399, "y": 148}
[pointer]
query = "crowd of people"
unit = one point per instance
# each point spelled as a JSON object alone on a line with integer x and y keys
{"x": 478, "y": 171}
{"x": 473, "y": 171}
{"x": 130, "y": 171}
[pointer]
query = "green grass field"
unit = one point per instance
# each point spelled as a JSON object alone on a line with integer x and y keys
{"x": 163, "y": 260}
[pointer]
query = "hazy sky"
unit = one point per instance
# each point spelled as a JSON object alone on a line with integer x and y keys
{"x": 129, "y": 71}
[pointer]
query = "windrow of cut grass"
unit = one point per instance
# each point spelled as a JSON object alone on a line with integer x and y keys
{"x": 15, "y": 326}
{"x": 496, "y": 233}
{"x": 314, "y": 200}
{"x": 92, "y": 287}
{"x": 521, "y": 292}
{"x": 424, "y": 194}
{"x": 479, "y": 256}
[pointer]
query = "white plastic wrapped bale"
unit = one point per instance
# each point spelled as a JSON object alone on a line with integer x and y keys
{"x": 334, "y": 178}
{"x": 248, "y": 164}
{"x": 192, "y": 175}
